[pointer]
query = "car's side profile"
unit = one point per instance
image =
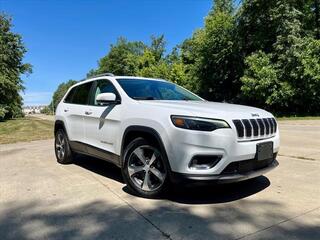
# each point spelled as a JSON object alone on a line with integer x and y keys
{"x": 158, "y": 132}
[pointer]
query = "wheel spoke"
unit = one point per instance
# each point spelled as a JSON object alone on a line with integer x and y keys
{"x": 60, "y": 138}
{"x": 60, "y": 154}
{"x": 146, "y": 182}
{"x": 139, "y": 153}
{"x": 153, "y": 158}
{"x": 157, "y": 174}
{"x": 134, "y": 169}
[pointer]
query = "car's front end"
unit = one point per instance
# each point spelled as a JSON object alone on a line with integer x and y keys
{"x": 227, "y": 146}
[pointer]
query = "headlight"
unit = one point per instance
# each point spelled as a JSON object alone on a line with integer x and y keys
{"x": 199, "y": 124}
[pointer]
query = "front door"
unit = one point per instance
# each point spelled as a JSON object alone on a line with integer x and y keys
{"x": 102, "y": 122}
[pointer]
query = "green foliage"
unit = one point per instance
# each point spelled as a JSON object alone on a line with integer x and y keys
{"x": 138, "y": 59}
{"x": 222, "y": 6}
{"x": 47, "y": 110}
{"x": 263, "y": 53}
{"x": 212, "y": 56}
{"x": 286, "y": 80}
{"x": 60, "y": 92}
{"x": 121, "y": 58}
{"x": 11, "y": 67}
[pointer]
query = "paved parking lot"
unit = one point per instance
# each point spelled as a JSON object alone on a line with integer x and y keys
{"x": 40, "y": 199}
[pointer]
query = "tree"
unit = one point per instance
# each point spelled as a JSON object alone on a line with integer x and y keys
{"x": 263, "y": 53}
{"x": 12, "y": 52}
{"x": 121, "y": 60}
{"x": 158, "y": 47}
{"x": 286, "y": 80}
{"x": 212, "y": 55}
{"x": 138, "y": 59}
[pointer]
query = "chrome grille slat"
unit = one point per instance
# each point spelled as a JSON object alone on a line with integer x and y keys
{"x": 255, "y": 127}
{"x": 247, "y": 127}
{"x": 259, "y": 128}
{"x": 275, "y": 124}
{"x": 271, "y": 124}
{"x": 266, "y": 123}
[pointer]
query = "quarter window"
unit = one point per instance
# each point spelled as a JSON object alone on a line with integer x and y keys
{"x": 68, "y": 98}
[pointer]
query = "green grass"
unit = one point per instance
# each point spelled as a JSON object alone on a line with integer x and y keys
{"x": 298, "y": 118}
{"x": 25, "y": 129}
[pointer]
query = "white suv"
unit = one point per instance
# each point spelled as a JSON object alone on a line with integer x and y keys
{"x": 158, "y": 132}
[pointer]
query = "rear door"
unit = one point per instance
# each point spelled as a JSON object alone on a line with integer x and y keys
{"x": 74, "y": 108}
{"x": 102, "y": 123}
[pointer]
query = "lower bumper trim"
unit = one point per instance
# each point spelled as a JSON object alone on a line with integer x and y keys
{"x": 223, "y": 178}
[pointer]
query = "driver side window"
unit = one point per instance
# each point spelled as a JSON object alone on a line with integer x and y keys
{"x": 103, "y": 86}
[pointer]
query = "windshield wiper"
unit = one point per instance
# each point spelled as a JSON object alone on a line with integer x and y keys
{"x": 143, "y": 98}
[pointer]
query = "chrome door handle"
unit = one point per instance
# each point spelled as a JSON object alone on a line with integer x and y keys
{"x": 88, "y": 112}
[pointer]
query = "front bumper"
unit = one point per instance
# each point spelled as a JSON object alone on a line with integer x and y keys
{"x": 184, "y": 145}
{"x": 224, "y": 178}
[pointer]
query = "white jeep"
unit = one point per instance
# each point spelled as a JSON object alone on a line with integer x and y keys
{"x": 158, "y": 132}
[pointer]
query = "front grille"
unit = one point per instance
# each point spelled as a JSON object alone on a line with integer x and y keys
{"x": 259, "y": 128}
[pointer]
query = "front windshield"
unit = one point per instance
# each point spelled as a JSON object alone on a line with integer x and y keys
{"x": 144, "y": 89}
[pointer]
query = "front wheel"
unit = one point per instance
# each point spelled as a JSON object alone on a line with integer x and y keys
{"x": 144, "y": 168}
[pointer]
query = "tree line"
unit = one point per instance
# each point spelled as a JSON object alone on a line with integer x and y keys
{"x": 264, "y": 53}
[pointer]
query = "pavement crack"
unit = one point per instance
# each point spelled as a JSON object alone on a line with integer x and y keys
{"x": 166, "y": 235}
{"x": 298, "y": 157}
{"x": 276, "y": 224}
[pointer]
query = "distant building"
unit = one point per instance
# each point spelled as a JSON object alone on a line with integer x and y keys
{"x": 33, "y": 109}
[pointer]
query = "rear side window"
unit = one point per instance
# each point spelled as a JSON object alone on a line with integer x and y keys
{"x": 80, "y": 94}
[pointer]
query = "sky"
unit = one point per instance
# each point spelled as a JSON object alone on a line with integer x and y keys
{"x": 65, "y": 39}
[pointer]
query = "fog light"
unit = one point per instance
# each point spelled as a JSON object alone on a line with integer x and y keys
{"x": 204, "y": 162}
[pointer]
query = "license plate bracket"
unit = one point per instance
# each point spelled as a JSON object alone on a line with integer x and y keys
{"x": 264, "y": 151}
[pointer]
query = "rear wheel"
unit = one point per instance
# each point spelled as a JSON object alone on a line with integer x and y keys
{"x": 144, "y": 168}
{"x": 62, "y": 148}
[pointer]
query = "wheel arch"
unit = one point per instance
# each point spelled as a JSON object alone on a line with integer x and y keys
{"x": 58, "y": 124}
{"x": 149, "y": 133}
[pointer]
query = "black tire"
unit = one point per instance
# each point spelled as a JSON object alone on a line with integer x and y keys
{"x": 155, "y": 163}
{"x": 62, "y": 148}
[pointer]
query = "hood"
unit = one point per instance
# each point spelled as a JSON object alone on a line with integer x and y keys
{"x": 209, "y": 109}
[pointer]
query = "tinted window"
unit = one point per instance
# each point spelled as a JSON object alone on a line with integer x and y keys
{"x": 144, "y": 89}
{"x": 81, "y": 93}
{"x": 103, "y": 86}
{"x": 68, "y": 98}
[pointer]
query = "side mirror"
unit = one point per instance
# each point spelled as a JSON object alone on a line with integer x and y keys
{"x": 105, "y": 98}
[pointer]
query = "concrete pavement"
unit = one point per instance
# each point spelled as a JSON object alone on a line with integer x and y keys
{"x": 40, "y": 199}
{"x": 300, "y": 139}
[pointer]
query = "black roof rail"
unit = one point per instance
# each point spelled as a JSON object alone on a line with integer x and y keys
{"x": 103, "y": 74}
{"x": 98, "y": 75}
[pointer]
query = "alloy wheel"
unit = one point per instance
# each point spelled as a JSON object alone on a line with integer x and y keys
{"x": 145, "y": 168}
{"x": 60, "y": 145}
